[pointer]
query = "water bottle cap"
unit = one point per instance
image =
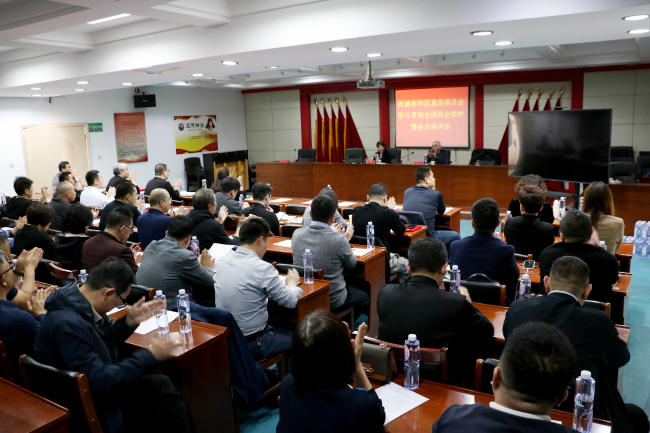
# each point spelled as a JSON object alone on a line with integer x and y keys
{"x": 193, "y": 237}
{"x": 526, "y": 277}
{"x": 158, "y": 292}
{"x": 585, "y": 374}
{"x": 369, "y": 223}
{"x": 307, "y": 251}
{"x": 508, "y": 213}
{"x": 412, "y": 337}
{"x": 602, "y": 242}
{"x": 454, "y": 268}
{"x": 181, "y": 292}
{"x": 82, "y": 272}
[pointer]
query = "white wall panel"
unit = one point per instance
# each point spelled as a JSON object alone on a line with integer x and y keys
{"x": 622, "y": 135}
{"x": 285, "y": 99}
{"x": 259, "y": 140}
{"x": 622, "y": 105}
{"x": 286, "y": 119}
{"x": 642, "y": 82}
{"x": 259, "y": 120}
{"x": 616, "y": 83}
{"x": 258, "y": 101}
{"x": 260, "y": 156}
{"x": 287, "y": 139}
{"x": 641, "y": 109}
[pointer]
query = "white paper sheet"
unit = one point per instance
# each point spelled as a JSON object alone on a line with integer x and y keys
{"x": 96, "y": 222}
{"x": 360, "y": 251}
{"x": 398, "y": 400}
{"x": 286, "y": 243}
{"x": 294, "y": 220}
{"x": 398, "y": 208}
{"x": 217, "y": 251}
{"x": 115, "y": 310}
{"x": 187, "y": 194}
{"x": 150, "y": 324}
{"x": 280, "y": 215}
{"x": 448, "y": 209}
{"x": 346, "y": 203}
{"x": 280, "y": 200}
{"x": 307, "y": 202}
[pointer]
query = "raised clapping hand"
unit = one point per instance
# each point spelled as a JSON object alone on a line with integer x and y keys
{"x": 463, "y": 291}
{"x": 391, "y": 203}
{"x": 135, "y": 248}
{"x": 177, "y": 183}
{"x": 132, "y": 176}
{"x": 36, "y": 304}
{"x": 139, "y": 203}
{"x": 141, "y": 311}
{"x": 223, "y": 214}
{"x": 360, "y": 378}
{"x": 31, "y": 259}
{"x": 349, "y": 232}
{"x": 19, "y": 224}
{"x": 164, "y": 350}
{"x": 293, "y": 278}
{"x": 111, "y": 192}
{"x": 206, "y": 259}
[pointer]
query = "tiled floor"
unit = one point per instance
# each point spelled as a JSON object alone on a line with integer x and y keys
{"x": 636, "y": 384}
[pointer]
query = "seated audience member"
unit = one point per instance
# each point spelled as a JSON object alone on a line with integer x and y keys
{"x": 110, "y": 242}
{"x": 331, "y": 252}
{"x": 78, "y": 186}
{"x": 243, "y": 283}
{"x": 77, "y": 335}
{"x": 34, "y": 232}
{"x": 69, "y": 242}
{"x": 126, "y": 196}
{"x": 223, "y": 173}
{"x": 482, "y": 253}
{"x": 591, "y": 332}
{"x": 64, "y": 167}
{"x": 576, "y": 234}
{"x": 12, "y": 279}
{"x": 537, "y": 365}
{"x": 384, "y": 156}
{"x": 207, "y": 229}
{"x": 262, "y": 192}
{"x": 599, "y": 205}
{"x": 64, "y": 196}
{"x": 527, "y": 233}
{"x": 424, "y": 198}
{"x": 161, "y": 172}
{"x": 316, "y": 397}
{"x": 8, "y": 233}
{"x": 169, "y": 266}
{"x": 152, "y": 225}
{"x": 338, "y": 219}
{"x": 24, "y": 187}
{"x": 122, "y": 174}
{"x": 18, "y": 327}
{"x": 546, "y": 214}
{"x": 435, "y": 155}
{"x": 226, "y": 196}
{"x": 93, "y": 194}
{"x": 421, "y": 306}
{"x": 380, "y": 210}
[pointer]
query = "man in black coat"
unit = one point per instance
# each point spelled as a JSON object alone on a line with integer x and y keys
{"x": 207, "y": 229}
{"x": 536, "y": 366}
{"x": 121, "y": 174}
{"x": 160, "y": 181}
{"x": 64, "y": 196}
{"x": 126, "y": 195}
{"x": 262, "y": 193}
{"x": 527, "y": 233}
{"x": 578, "y": 240}
{"x": 591, "y": 333}
{"x": 421, "y": 306}
{"x": 77, "y": 335}
{"x": 380, "y": 211}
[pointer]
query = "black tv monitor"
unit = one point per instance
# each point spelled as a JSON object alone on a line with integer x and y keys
{"x": 143, "y": 101}
{"x": 564, "y": 145}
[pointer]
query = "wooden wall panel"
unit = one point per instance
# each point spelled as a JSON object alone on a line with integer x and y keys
{"x": 632, "y": 203}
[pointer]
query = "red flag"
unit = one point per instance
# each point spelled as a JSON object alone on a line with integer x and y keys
{"x": 331, "y": 150}
{"x": 503, "y": 146}
{"x": 352, "y": 139}
{"x": 526, "y": 106}
{"x": 317, "y": 136}
{"x": 325, "y": 135}
{"x": 547, "y": 107}
{"x": 558, "y": 103}
{"x": 340, "y": 144}
{"x": 536, "y": 106}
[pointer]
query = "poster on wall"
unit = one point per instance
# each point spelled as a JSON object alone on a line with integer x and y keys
{"x": 130, "y": 137}
{"x": 196, "y": 134}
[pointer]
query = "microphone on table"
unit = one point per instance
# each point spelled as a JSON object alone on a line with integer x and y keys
{"x": 408, "y": 154}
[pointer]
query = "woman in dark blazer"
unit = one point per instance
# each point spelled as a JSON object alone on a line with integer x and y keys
{"x": 34, "y": 233}
{"x": 323, "y": 361}
{"x": 69, "y": 243}
{"x": 546, "y": 214}
{"x": 384, "y": 155}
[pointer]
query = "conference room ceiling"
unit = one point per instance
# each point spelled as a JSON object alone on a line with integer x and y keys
{"x": 50, "y": 45}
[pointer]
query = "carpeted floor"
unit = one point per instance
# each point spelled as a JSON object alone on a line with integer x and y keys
{"x": 636, "y": 383}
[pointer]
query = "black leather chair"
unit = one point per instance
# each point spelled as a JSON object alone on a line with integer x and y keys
{"x": 137, "y": 292}
{"x": 621, "y": 154}
{"x": 416, "y": 219}
{"x": 482, "y": 289}
{"x": 195, "y": 173}
{"x": 306, "y": 155}
{"x": 355, "y": 156}
{"x": 283, "y": 268}
{"x": 66, "y": 388}
{"x": 275, "y": 207}
{"x": 347, "y": 212}
{"x": 485, "y": 157}
{"x": 626, "y": 172}
{"x": 605, "y": 307}
{"x": 8, "y": 222}
{"x": 644, "y": 164}
{"x": 644, "y": 153}
{"x": 483, "y": 375}
{"x": 287, "y": 230}
{"x": 446, "y": 153}
{"x": 395, "y": 155}
{"x": 295, "y": 209}
{"x": 6, "y": 370}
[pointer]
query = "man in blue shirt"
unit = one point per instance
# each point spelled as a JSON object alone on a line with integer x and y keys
{"x": 424, "y": 198}
{"x": 152, "y": 225}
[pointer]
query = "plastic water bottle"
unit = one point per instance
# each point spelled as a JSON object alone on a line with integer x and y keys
{"x": 562, "y": 206}
{"x": 425, "y": 159}
{"x": 141, "y": 197}
{"x": 583, "y": 403}
{"x": 377, "y": 160}
{"x": 308, "y": 263}
{"x": 161, "y": 315}
{"x": 329, "y": 187}
{"x": 640, "y": 231}
{"x": 241, "y": 201}
{"x": 454, "y": 277}
{"x": 412, "y": 363}
{"x": 603, "y": 245}
{"x": 370, "y": 235}
{"x": 524, "y": 288}
{"x": 83, "y": 276}
{"x": 194, "y": 244}
{"x": 184, "y": 317}
{"x": 3, "y": 199}
{"x": 203, "y": 184}
{"x": 507, "y": 216}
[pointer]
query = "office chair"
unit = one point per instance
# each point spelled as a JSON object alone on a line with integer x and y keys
{"x": 485, "y": 157}
{"x": 626, "y": 172}
{"x": 306, "y": 155}
{"x": 355, "y": 155}
{"x": 287, "y": 230}
{"x": 395, "y": 155}
{"x": 621, "y": 154}
{"x": 482, "y": 289}
{"x": 295, "y": 209}
{"x": 62, "y": 276}
{"x": 137, "y": 292}
{"x": 195, "y": 173}
{"x": 644, "y": 165}
{"x": 483, "y": 375}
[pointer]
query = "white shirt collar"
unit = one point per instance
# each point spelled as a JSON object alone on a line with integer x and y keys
{"x": 564, "y": 293}
{"x": 497, "y": 406}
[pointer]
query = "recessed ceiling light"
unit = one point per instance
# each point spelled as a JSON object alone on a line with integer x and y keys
{"x": 82, "y": 82}
{"x": 373, "y": 55}
{"x": 37, "y": 95}
{"x": 636, "y": 17}
{"x": 229, "y": 62}
{"x": 638, "y": 31}
{"x": 127, "y": 84}
{"x": 114, "y": 17}
{"x": 198, "y": 75}
{"x": 339, "y": 49}
{"x": 79, "y": 90}
{"x": 36, "y": 88}
{"x": 503, "y": 43}
{"x": 482, "y": 33}
{"x": 273, "y": 67}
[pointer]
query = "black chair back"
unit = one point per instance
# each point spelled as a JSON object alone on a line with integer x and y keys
{"x": 395, "y": 155}
{"x": 287, "y": 230}
{"x": 283, "y": 268}
{"x": 355, "y": 155}
{"x": 194, "y": 171}
{"x": 644, "y": 165}
{"x": 621, "y": 154}
{"x": 8, "y": 222}
{"x": 275, "y": 207}
{"x": 483, "y": 375}
{"x": 295, "y": 209}
{"x": 137, "y": 292}
{"x": 347, "y": 212}
{"x": 306, "y": 155}
{"x": 486, "y": 156}
{"x": 66, "y": 388}
{"x": 626, "y": 172}
{"x": 416, "y": 219}
{"x": 43, "y": 275}
{"x": 92, "y": 232}
{"x": 482, "y": 289}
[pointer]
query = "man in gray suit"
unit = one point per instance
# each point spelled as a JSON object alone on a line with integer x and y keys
{"x": 226, "y": 197}
{"x": 168, "y": 265}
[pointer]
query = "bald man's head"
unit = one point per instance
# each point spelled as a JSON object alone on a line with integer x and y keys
{"x": 63, "y": 188}
{"x": 160, "y": 199}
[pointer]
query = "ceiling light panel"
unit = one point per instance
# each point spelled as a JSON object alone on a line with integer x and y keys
{"x": 114, "y": 17}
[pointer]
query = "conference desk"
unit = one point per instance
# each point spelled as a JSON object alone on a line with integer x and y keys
{"x": 442, "y": 397}
{"x": 200, "y": 370}
{"x": 314, "y": 297}
{"x": 22, "y": 411}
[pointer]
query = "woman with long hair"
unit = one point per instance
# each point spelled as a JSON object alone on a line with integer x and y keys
{"x": 598, "y": 203}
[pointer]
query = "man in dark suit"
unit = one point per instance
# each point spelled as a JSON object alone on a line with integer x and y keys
{"x": 421, "y": 306}
{"x": 537, "y": 365}
{"x": 380, "y": 211}
{"x": 160, "y": 181}
{"x": 262, "y": 192}
{"x": 126, "y": 196}
{"x": 527, "y": 233}
{"x": 482, "y": 253}
{"x": 110, "y": 242}
{"x": 592, "y": 334}
{"x": 208, "y": 229}
{"x": 226, "y": 196}
{"x": 121, "y": 174}
{"x": 579, "y": 240}
{"x": 64, "y": 196}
